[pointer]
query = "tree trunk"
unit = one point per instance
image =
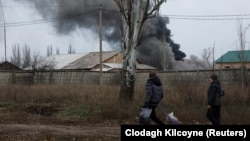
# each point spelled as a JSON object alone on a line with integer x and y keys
{"x": 128, "y": 76}
{"x": 131, "y": 34}
{"x": 134, "y": 14}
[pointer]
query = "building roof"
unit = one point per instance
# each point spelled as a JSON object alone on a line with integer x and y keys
{"x": 86, "y": 61}
{"x": 90, "y": 60}
{"x": 234, "y": 57}
{"x": 58, "y": 61}
{"x": 138, "y": 66}
{"x": 8, "y": 66}
{"x": 110, "y": 66}
{"x": 63, "y": 60}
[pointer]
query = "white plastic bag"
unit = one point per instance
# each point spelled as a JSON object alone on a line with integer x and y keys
{"x": 145, "y": 113}
{"x": 172, "y": 118}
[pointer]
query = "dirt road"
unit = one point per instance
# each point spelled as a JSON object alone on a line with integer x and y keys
{"x": 24, "y": 132}
{"x": 43, "y": 123}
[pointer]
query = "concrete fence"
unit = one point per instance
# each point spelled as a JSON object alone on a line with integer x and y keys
{"x": 92, "y": 77}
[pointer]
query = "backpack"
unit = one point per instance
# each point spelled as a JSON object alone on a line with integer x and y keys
{"x": 221, "y": 91}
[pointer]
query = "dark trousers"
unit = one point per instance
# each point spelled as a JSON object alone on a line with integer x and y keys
{"x": 213, "y": 114}
{"x": 154, "y": 117}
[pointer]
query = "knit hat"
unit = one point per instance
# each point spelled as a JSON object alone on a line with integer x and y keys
{"x": 213, "y": 77}
{"x": 152, "y": 74}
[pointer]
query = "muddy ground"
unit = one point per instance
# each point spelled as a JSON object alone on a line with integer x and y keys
{"x": 41, "y": 124}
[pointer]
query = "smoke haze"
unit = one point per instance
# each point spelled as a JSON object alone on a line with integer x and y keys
{"x": 156, "y": 49}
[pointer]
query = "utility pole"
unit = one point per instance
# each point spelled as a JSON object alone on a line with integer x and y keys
{"x": 4, "y": 33}
{"x": 164, "y": 53}
{"x": 100, "y": 34}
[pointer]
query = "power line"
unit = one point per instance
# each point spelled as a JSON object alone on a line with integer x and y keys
{"x": 235, "y": 15}
{"x": 61, "y": 6}
{"x": 178, "y": 17}
{"x": 194, "y": 16}
{"x": 24, "y": 23}
{"x": 209, "y": 19}
{"x": 39, "y": 21}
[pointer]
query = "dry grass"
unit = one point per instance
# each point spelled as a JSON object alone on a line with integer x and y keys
{"x": 101, "y": 104}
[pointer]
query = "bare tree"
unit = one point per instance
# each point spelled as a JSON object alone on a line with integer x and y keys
{"x": 26, "y": 56}
{"x": 207, "y": 57}
{"x": 47, "y": 63}
{"x": 195, "y": 62}
{"x": 241, "y": 51}
{"x": 133, "y": 15}
{"x": 70, "y": 49}
{"x": 16, "y": 56}
{"x": 35, "y": 60}
{"x": 49, "y": 50}
{"x": 42, "y": 63}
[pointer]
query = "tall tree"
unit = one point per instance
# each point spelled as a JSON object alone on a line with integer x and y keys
{"x": 35, "y": 60}
{"x": 49, "y": 50}
{"x": 71, "y": 50}
{"x": 241, "y": 30}
{"x": 133, "y": 15}
{"x": 207, "y": 58}
{"x": 26, "y": 57}
{"x": 16, "y": 55}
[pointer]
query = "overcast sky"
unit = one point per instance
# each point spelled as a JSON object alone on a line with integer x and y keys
{"x": 207, "y": 23}
{"x": 39, "y": 35}
{"x": 194, "y": 24}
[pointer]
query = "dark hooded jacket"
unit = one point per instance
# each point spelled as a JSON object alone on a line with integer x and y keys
{"x": 154, "y": 92}
{"x": 212, "y": 93}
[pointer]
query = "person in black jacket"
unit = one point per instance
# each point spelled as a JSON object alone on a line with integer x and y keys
{"x": 154, "y": 94}
{"x": 213, "y": 101}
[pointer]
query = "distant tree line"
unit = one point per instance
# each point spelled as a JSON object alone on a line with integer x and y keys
{"x": 23, "y": 58}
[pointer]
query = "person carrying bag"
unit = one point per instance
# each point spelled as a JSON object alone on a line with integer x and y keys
{"x": 154, "y": 94}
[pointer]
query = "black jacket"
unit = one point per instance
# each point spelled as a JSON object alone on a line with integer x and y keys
{"x": 213, "y": 97}
{"x": 154, "y": 92}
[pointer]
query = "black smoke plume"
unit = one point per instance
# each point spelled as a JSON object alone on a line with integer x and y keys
{"x": 156, "y": 46}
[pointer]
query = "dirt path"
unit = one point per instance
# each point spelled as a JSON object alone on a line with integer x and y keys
{"x": 58, "y": 130}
